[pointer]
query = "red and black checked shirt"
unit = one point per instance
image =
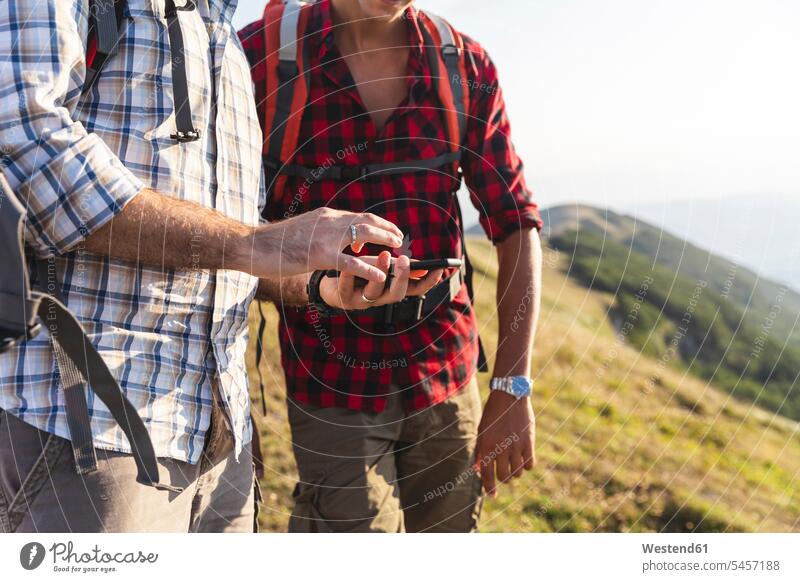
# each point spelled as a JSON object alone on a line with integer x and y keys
{"x": 353, "y": 361}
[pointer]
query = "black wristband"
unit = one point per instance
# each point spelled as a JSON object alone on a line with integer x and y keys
{"x": 315, "y": 299}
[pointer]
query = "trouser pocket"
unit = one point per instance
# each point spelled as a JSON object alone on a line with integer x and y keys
{"x": 27, "y": 458}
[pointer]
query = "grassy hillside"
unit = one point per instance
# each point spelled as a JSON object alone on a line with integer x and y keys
{"x": 624, "y": 443}
{"x": 688, "y": 322}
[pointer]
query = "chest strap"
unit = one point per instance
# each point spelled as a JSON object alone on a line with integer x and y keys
{"x": 362, "y": 172}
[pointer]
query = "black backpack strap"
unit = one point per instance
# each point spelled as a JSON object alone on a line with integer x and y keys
{"x": 68, "y": 333}
{"x": 451, "y": 55}
{"x": 17, "y": 308}
{"x": 105, "y": 25}
{"x": 483, "y": 364}
{"x": 185, "y": 130}
{"x": 366, "y": 171}
{"x": 72, "y": 383}
{"x": 105, "y": 31}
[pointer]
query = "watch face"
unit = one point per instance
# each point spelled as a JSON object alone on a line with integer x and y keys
{"x": 520, "y": 386}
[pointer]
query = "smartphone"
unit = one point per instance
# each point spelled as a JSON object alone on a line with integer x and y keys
{"x": 422, "y": 265}
{"x": 431, "y": 264}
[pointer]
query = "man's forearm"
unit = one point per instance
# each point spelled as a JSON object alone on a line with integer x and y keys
{"x": 157, "y": 230}
{"x": 519, "y": 282}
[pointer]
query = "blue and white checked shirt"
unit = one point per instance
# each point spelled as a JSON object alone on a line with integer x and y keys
{"x": 76, "y": 161}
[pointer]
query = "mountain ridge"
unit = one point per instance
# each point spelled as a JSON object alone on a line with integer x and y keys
{"x": 686, "y": 306}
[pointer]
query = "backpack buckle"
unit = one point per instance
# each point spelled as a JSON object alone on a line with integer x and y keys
{"x": 186, "y": 136}
{"x": 450, "y": 51}
{"x": 9, "y": 339}
{"x": 416, "y": 303}
{"x": 353, "y": 173}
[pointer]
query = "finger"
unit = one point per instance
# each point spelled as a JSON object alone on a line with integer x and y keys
{"x": 377, "y": 221}
{"x": 369, "y": 259}
{"x": 515, "y": 461}
{"x": 399, "y": 285}
{"x": 330, "y": 290}
{"x": 358, "y": 268}
{"x": 528, "y": 456}
{"x": 366, "y": 233}
{"x": 487, "y": 475}
{"x": 373, "y": 289}
{"x": 502, "y": 467}
{"x": 417, "y": 275}
{"x": 424, "y": 285}
{"x": 345, "y": 287}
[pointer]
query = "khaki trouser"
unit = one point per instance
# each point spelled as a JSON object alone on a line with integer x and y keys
{"x": 387, "y": 471}
{"x": 41, "y": 492}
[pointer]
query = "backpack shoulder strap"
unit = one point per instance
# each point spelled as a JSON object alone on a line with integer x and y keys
{"x": 445, "y": 51}
{"x": 105, "y": 24}
{"x": 17, "y": 306}
{"x": 287, "y": 83}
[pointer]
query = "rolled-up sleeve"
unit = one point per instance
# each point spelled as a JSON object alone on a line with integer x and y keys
{"x": 492, "y": 170}
{"x": 70, "y": 180}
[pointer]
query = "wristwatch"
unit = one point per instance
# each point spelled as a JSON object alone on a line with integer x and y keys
{"x": 518, "y": 386}
{"x": 315, "y": 299}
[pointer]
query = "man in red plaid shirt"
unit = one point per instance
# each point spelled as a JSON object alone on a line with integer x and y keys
{"x": 385, "y": 411}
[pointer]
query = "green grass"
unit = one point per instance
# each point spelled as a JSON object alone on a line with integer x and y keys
{"x": 617, "y": 451}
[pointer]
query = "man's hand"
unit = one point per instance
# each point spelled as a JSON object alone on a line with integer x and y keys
{"x": 314, "y": 240}
{"x": 506, "y": 439}
{"x": 343, "y": 293}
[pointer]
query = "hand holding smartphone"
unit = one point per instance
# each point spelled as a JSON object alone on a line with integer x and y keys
{"x": 418, "y": 267}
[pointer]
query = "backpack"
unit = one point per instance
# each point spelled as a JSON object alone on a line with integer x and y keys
{"x": 287, "y": 87}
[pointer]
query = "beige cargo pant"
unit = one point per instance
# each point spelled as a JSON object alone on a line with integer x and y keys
{"x": 387, "y": 471}
{"x": 41, "y": 492}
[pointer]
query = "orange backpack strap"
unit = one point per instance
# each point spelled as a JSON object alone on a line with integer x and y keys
{"x": 445, "y": 51}
{"x": 287, "y": 85}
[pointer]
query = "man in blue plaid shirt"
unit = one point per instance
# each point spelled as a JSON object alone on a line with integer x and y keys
{"x": 158, "y": 251}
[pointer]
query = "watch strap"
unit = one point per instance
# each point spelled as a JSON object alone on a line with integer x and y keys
{"x": 315, "y": 298}
{"x": 517, "y": 386}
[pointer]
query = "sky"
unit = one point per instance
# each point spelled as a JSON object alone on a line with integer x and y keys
{"x": 643, "y": 105}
